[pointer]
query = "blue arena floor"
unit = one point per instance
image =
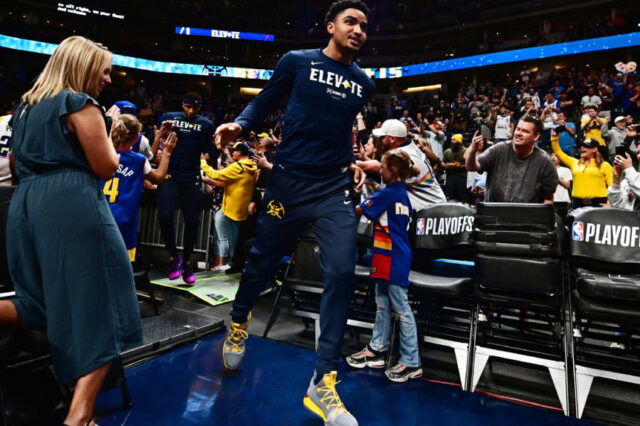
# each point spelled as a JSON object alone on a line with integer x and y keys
{"x": 190, "y": 386}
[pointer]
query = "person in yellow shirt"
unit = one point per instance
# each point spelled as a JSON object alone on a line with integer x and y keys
{"x": 592, "y": 175}
{"x": 240, "y": 180}
{"x": 591, "y": 125}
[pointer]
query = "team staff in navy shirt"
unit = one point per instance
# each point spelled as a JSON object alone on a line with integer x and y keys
{"x": 182, "y": 183}
{"x": 310, "y": 183}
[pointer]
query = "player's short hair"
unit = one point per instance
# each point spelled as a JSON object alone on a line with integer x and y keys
{"x": 340, "y": 5}
{"x": 537, "y": 123}
{"x": 192, "y": 97}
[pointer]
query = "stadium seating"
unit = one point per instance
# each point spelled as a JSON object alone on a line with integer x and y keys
{"x": 520, "y": 289}
{"x": 605, "y": 265}
{"x": 441, "y": 290}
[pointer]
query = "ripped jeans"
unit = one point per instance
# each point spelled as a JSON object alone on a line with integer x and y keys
{"x": 391, "y": 297}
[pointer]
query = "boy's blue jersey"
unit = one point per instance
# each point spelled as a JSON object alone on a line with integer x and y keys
{"x": 123, "y": 194}
{"x": 324, "y": 98}
{"x": 194, "y": 138}
{"x": 390, "y": 209}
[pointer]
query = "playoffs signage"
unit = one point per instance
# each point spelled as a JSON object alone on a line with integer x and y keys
{"x": 444, "y": 225}
{"x": 606, "y": 234}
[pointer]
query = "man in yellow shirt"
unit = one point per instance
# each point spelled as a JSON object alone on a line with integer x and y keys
{"x": 240, "y": 180}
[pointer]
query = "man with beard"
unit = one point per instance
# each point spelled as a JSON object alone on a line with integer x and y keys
{"x": 454, "y": 163}
{"x": 424, "y": 189}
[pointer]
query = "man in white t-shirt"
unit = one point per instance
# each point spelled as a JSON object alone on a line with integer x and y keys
{"x": 591, "y": 98}
{"x": 5, "y": 151}
{"x": 504, "y": 125}
{"x": 424, "y": 189}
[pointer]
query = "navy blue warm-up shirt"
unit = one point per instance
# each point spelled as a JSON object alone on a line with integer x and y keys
{"x": 324, "y": 98}
{"x": 194, "y": 137}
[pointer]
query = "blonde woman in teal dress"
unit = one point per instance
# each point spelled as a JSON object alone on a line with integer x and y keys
{"x": 67, "y": 260}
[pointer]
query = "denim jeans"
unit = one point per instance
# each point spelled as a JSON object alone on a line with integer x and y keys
{"x": 391, "y": 297}
{"x": 226, "y": 233}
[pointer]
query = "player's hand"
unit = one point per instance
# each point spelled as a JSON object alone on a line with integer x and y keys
{"x": 359, "y": 176}
{"x": 226, "y": 133}
{"x": 169, "y": 144}
{"x": 164, "y": 129}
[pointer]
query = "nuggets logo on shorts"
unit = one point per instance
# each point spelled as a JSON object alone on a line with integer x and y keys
{"x": 420, "y": 226}
{"x": 578, "y": 231}
{"x": 275, "y": 209}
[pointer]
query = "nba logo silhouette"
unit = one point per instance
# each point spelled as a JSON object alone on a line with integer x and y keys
{"x": 420, "y": 226}
{"x": 578, "y": 231}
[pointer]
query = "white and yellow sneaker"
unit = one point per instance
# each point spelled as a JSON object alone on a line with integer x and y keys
{"x": 323, "y": 401}
{"x": 234, "y": 347}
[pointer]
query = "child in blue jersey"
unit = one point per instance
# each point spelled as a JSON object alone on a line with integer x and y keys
{"x": 123, "y": 192}
{"x": 391, "y": 210}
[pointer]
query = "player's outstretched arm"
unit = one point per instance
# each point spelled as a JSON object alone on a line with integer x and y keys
{"x": 226, "y": 133}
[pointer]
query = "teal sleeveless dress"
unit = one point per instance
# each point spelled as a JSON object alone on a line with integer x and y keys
{"x": 67, "y": 260}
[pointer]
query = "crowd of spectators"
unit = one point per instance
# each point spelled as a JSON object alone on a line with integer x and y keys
{"x": 574, "y": 105}
{"x": 588, "y": 114}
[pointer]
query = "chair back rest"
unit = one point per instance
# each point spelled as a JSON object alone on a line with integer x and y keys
{"x": 605, "y": 239}
{"x": 516, "y": 217}
{"x": 305, "y": 265}
{"x": 443, "y": 229}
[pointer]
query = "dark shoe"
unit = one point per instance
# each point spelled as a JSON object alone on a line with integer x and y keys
{"x": 401, "y": 373}
{"x": 367, "y": 358}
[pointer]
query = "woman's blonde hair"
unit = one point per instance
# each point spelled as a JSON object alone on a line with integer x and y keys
{"x": 125, "y": 128}
{"x": 401, "y": 164}
{"x": 76, "y": 65}
{"x": 597, "y": 157}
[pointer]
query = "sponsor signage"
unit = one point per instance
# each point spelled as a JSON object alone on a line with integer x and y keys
{"x": 237, "y": 35}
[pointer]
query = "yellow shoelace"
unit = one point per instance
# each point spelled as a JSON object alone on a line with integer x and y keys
{"x": 236, "y": 337}
{"x": 330, "y": 393}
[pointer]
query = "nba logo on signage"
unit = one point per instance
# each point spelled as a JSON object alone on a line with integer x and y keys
{"x": 420, "y": 226}
{"x": 578, "y": 231}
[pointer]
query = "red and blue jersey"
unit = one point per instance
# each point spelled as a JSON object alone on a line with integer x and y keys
{"x": 123, "y": 194}
{"x": 391, "y": 210}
